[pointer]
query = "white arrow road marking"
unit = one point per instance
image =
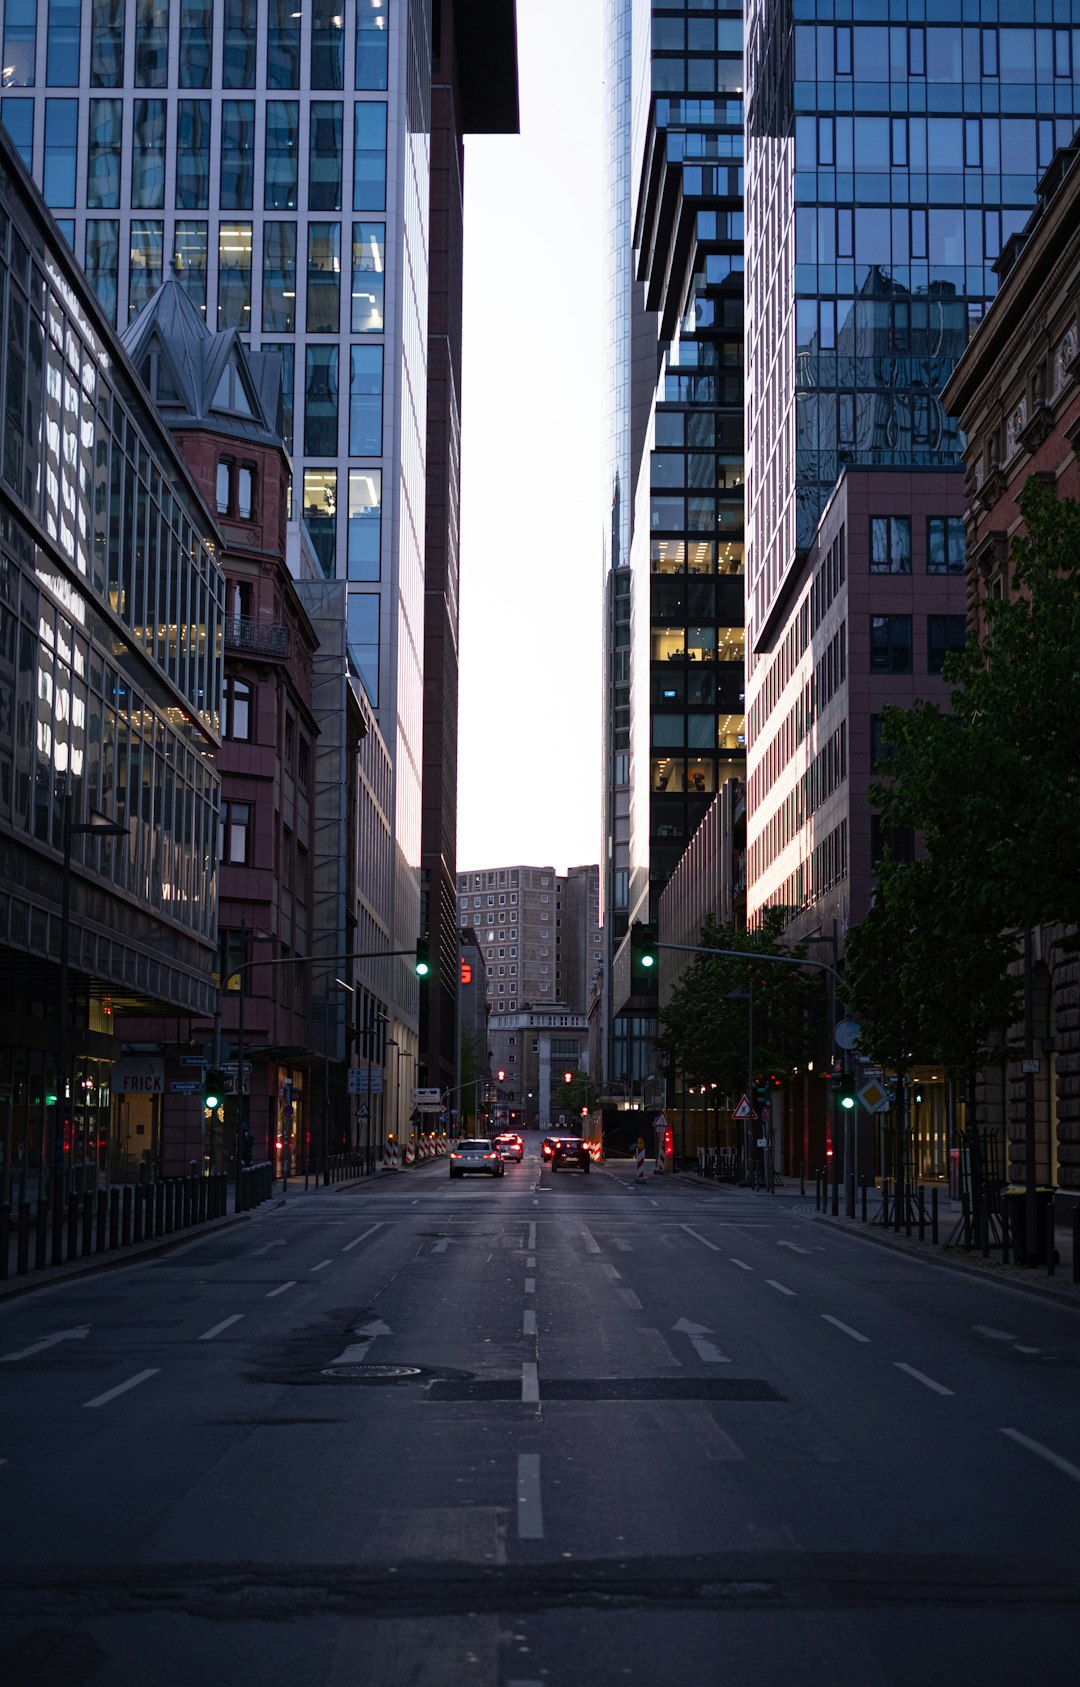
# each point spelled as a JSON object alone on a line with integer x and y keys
{"x": 708, "y": 1351}
{"x": 46, "y": 1341}
{"x": 357, "y": 1351}
{"x": 441, "y": 1246}
{"x": 794, "y": 1246}
{"x": 684, "y": 1327}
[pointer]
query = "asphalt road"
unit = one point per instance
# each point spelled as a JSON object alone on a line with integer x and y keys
{"x": 645, "y": 1434}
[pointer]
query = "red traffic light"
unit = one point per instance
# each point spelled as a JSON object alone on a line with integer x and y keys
{"x": 500, "y": 1074}
{"x": 568, "y": 1077}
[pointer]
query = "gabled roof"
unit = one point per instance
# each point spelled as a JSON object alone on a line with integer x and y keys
{"x": 201, "y": 379}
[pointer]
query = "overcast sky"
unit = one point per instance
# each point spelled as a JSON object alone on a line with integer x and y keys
{"x": 532, "y": 483}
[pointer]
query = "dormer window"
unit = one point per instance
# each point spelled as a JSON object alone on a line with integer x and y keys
{"x": 157, "y": 377}
{"x": 231, "y": 394}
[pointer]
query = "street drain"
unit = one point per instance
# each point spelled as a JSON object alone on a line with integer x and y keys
{"x": 372, "y": 1373}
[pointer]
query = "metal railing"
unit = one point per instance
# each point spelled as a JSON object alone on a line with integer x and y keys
{"x": 264, "y": 638}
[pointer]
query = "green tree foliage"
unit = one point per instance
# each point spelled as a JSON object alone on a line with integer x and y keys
{"x": 704, "y": 1029}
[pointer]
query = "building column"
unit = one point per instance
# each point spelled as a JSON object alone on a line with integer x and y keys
{"x": 544, "y": 1041}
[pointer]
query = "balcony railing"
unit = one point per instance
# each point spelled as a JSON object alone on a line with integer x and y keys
{"x": 263, "y": 638}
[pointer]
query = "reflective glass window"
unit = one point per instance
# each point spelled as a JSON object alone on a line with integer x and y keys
{"x": 192, "y": 155}
{"x": 17, "y": 116}
{"x": 368, "y": 249}
{"x": 323, "y": 278}
{"x": 365, "y": 401}
{"x": 189, "y": 250}
{"x": 945, "y": 547}
{"x": 222, "y": 488}
{"x": 365, "y": 524}
{"x": 234, "y": 276}
{"x": 196, "y": 43}
{"x": 321, "y": 402}
{"x": 148, "y": 154}
{"x": 890, "y": 544}
{"x": 61, "y": 150}
{"x": 279, "y": 278}
{"x": 946, "y": 635}
{"x": 287, "y": 353}
{"x": 151, "y": 43}
{"x": 237, "y": 154}
{"x": 107, "y": 43}
{"x": 320, "y": 516}
{"x": 324, "y": 156}
{"x": 144, "y": 267}
{"x": 283, "y": 44}
{"x": 102, "y": 263}
{"x": 20, "y": 43}
{"x": 238, "y": 44}
{"x": 369, "y": 160}
{"x": 245, "y": 492}
{"x": 282, "y": 153}
{"x": 890, "y": 644}
{"x": 103, "y": 153}
{"x": 62, "y": 44}
{"x": 372, "y": 30}
{"x": 327, "y": 44}
{"x": 362, "y": 630}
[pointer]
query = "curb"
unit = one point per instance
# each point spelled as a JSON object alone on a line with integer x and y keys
{"x": 55, "y": 1275}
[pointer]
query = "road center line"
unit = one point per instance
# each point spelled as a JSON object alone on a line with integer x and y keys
{"x": 590, "y": 1241}
{"x": 531, "y": 1260}
{"x": 208, "y": 1335}
{"x": 121, "y": 1388}
{"x": 530, "y": 1285}
{"x": 323, "y": 1263}
{"x": 847, "y": 1329}
{"x": 531, "y": 1243}
{"x": 698, "y": 1237}
{"x": 530, "y": 1516}
{"x": 773, "y": 1284}
{"x": 653, "y": 1203}
{"x": 1042, "y": 1452}
{"x": 530, "y": 1383}
{"x": 528, "y": 1323}
{"x": 356, "y": 1241}
{"x": 741, "y": 1263}
{"x": 280, "y": 1290}
{"x": 927, "y": 1382}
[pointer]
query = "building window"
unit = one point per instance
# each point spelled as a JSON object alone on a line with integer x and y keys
{"x": 17, "y": 116}
{"x": 144, "y": 270}
{"x": 280, "y": 172}
{"x": 946, "y": 635}
{"x": 327, "y": 44}
{"x": 223, "y": 487}
{"x": 890, "y": 544}
{"x": 106, "y": 43}
{"x": 321, "y": 401}
{"x": 279, "y": 278}
{"x": 234, "y": 276}
{"x": 245, "y": 493}
{"x": 62, "y": 44}
{"x": 236, "y": 833}
{"x": 237, "y": 154}
{"x": 238, "y": 44}
{"x": 368, "y": 248}
{"x": 20, "y": 43}
{"x": 323, "y": 278}
{"x": 372, "y": 30}
{"x": 890, "y": 644}
{"x": 945, "y": 545}
{"x": 283, "y": 44}
{"x": 236, "y": 709}
{"x": 61, "y": 150}
{"x": 287, "y": 353}
{"x": 196, "y": 42}
{"x": 189, "y": 252}
{"x": 151, "y": 43}
{"x": 192, "y": 155}
{"x": 369, "y": 159}
{"x": 103, "y": 262}
{"x": 103, "y": 153}
{"x": 365, "y": 524}
{"x": 362, "y": 619}
{"x": 148, "y": 155}
{"x": 324, "y": 156}
{"x": 365, "y": 401}
{"x": 320, "y": 516}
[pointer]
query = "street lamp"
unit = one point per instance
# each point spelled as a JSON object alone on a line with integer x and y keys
{"x": 96, "y": 826}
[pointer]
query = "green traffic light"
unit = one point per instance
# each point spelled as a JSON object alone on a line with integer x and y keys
{"x": 847, "y": 1101}
{"x": 648, "y": 960}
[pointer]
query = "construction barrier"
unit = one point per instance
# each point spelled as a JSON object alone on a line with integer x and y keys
{"x": 390, "y": 1154}
{"x": 639, "y": 1161}
{"x": 410, "y": 1154}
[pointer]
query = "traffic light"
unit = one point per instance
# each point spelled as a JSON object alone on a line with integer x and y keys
{"x": 568, "y": 1077}
{"x": 762, "y": 1092}
{"x": 642, "y": 950}
{"x": 501, "y": 1074}
{"x": 844, "y": 1089}
{"x": 213, "y": 1088}
{"x": 422, "y": 964}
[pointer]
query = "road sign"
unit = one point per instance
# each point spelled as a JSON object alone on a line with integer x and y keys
{"x": 419, "y": 1097}
{"x": 188, "y": 1087}
{"x": 362, "y": 1113}
{"x": 744, "y": 1109}
{"x": 360, "y": 1077}
{"x": 874, "y": 1097}
{"x": 193, "y": 1060}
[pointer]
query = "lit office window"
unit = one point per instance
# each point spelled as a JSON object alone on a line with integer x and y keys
{"x": 362, "y": 630}
{"x": 196, "y": 43}
{"x": 372, "y": 30}
{"x": 287, "y": 354}
{"x": 320, "y": 516}
{"x": 369, "y": 157}
{"x": 192, "y": 155}
{"x": 148, "y": 155}
{"x": 190, "y": 250}
{"x": 61, "y": 148}
{"x": 103, "y": 153}
{"x": 282, "y": 152}
{"x": 365, "y": 401}
{"x": 144, "y": 269}
{"x": 321, "y": 402}
{"x": 102, "y": 263}
{"x": 368, "y": 248}
{"x": 62, "y": 44}
{"x": 20, "y": 43}
{"x": 237, "y": 154}
{"x": 327, "y": 44}
{"x": 283, "y": 44}
{"x": 17, "y": 116}
{"x": 365, "y": 524}
{"x": 323, "y": 278}
{"x": 107, "y": 43}
{"x": 151, "y": 43}
{"x": 279, "y": 278}
{"x": 234, "y": 276}
{"x": 324, "y": 156}
{"x": 238, "y": 44}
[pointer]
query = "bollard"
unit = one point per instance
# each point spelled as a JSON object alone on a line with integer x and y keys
{"x": 40, "y": 1233}
{"x": 5, "y": 1238}
{"x": 87, "y": 1223}
{"x": 101, "y": 1219}
{"x": 934, "y": 1217}
{"x": 73, "y": 1227}
{"x": 137, "y": 1212}
{"x": 125, "y": 1222}
{"x": 922, "y": 1214}
{"x": 862, "y": 1187}
{"x": 114, "y": 1218}
{"x": 202, "y": 1200}
{"x": 57, "y": 1228}
{"x": 151, "y": 1205}
{"x": 1051, "y": 1250}
{"x": 22, "y": 1264}
{"x": 1076, "y": 1242}
{"x": 1005, "y": 1232}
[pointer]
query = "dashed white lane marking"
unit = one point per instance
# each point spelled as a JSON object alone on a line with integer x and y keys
{"x": 653, "y": 1203}
{"x": 121, "y": 1388}
{"x": 591, "y": 1244}
{"x": 994, "y": 1335}
{"x": 536, "y": 1203}
{"x": 698, "y": 1237}
{"x": 356, "y": 1241}
{"x": 530, "y": 1260}
{"x": 629, "y": 1298}
{"x": 441, "y": 1246}
{"x": 531, "y": 1243}
{"x": 530, "y": 1285}
{"x": 622, "y": 1244}
{"x": 265, "y": 1249}
{"x": 847, "y": 1329}
{"x": 528, "y": 1323}
{"x": 741, "y": 1263}
{"x": 530, "y": 1515}
{"x": 208, "y": 1335}
{"x": 323, "y": 1263}
{"x": 610, "y": 1271}
{"x": 1020, "y": 1348}
{"x": 773, "y": 1284}
{"x": 794, "y": 1246}
{"x": 920, "y": 1376}
{"x": 530, "y": 1383}
{"x": 280, "y": 1290}
{"x": 1042, "y": 1452}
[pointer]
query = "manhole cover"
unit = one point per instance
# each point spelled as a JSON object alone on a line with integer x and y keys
{"x": 372, "y": 1373}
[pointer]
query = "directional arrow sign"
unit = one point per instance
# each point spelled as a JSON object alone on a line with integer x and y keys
{"x": 46, "y": 1341}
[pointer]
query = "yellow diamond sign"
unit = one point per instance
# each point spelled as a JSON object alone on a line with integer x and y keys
{"x": 874, "y": 1097}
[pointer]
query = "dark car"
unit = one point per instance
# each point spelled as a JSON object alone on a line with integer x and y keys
{"x": 570, "y": 1153}
{"x": 547, "y": 1147}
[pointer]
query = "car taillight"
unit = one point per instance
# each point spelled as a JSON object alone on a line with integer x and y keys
{"x": 455, "y": 1155}
{"x": 491, "y": 1156}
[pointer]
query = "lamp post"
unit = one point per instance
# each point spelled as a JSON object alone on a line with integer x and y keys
{"x": 369, "y": 1031}
{"x": 96, "y": 826}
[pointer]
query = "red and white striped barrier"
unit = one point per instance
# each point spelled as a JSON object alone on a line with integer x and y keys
{"x": 390, "y": 1155}
{"x": 639, "y": 1161}
{"x": 410, "y": 1155}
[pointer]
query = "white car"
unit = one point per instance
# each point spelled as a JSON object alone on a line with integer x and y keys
{"x": 510, "y": 1145}
{"x": 476, "y": 1154}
